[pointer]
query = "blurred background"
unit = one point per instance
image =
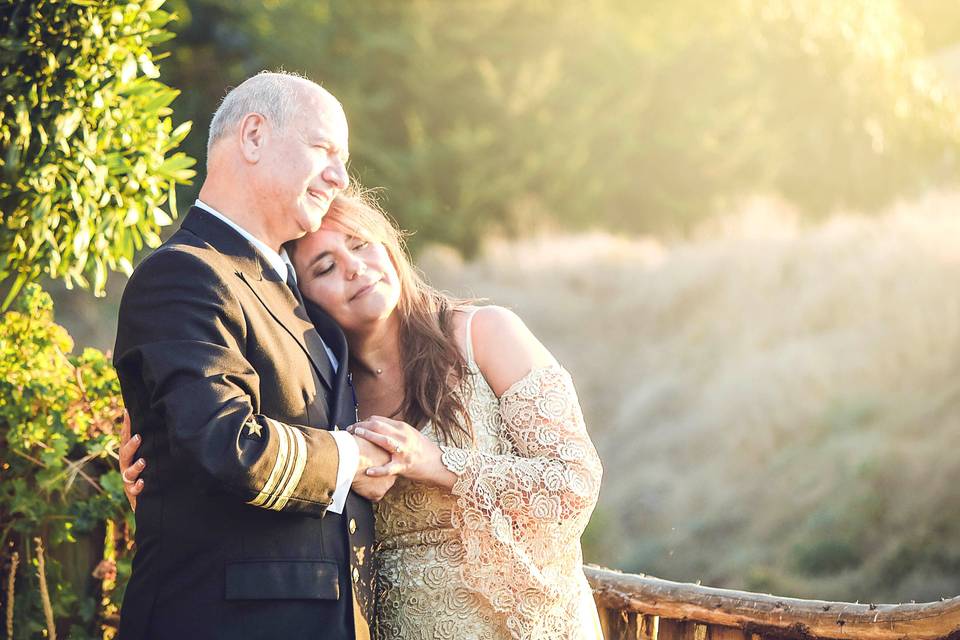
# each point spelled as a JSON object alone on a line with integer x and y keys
{"x": 735, "y": 222}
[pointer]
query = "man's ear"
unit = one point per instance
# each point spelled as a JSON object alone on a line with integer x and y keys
{"x": 254, "y": 131}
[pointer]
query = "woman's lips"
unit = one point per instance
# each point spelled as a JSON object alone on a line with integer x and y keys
{"x": 364, "y": 290}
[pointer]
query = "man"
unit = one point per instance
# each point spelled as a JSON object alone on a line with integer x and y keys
{"x": 247, "y": 526}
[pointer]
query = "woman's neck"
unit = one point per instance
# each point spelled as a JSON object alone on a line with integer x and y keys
{"x": 375, "y": 350}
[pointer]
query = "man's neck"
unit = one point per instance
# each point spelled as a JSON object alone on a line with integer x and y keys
{"x": 241, "y": 215}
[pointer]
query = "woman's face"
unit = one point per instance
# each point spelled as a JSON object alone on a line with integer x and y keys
{"x": 353, "y": 279}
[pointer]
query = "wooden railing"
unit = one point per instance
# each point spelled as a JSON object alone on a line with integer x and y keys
{"x": 641, "y": 607}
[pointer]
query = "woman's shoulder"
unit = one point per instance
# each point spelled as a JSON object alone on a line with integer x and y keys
{"x": 503, "y": 347}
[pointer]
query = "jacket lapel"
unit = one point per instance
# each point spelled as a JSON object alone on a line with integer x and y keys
{"x": 280, "y": 303}
{"x": 270, "y": 290}
{"x": 343, "y": 407}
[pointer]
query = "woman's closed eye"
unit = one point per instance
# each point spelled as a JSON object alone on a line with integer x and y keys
{"x": 323, "y": 270}
{"x": 328, "y": 263}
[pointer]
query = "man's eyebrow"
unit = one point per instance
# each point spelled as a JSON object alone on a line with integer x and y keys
{"x": 322, "y": 139}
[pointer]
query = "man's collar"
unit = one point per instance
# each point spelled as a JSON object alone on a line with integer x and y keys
{"x": 278, "y": 261}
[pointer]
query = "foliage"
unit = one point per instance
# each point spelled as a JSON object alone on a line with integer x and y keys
{"x": 87, "y": 159}
{"x": 58, "y": 435}
{"x": 775, "y": 403}
{"x": 86, "y": 138}
{"x": 505, "y": 115}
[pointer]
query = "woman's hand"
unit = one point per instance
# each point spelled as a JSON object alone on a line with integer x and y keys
{"x": 412, "y": 455}
{"x": 130, "y": 471}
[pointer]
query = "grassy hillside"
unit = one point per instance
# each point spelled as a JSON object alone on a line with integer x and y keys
{"x": 777, "y": 404}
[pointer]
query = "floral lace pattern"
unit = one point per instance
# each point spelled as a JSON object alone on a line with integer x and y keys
{"x": 499, "y": 557}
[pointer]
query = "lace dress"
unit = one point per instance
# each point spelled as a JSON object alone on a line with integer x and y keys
{"x": 499, "y": 557}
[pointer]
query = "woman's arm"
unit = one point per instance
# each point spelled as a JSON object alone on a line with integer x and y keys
{"x": 505, "y": 349}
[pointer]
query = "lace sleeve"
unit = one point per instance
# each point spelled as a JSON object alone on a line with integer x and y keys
{"x": 520, "y": 515}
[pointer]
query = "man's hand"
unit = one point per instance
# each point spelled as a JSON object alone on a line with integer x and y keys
{"x": 371, "y": 487}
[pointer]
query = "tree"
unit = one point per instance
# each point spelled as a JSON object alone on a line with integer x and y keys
{"x": 87, "y": 143}
{"x": 477, "y": 117}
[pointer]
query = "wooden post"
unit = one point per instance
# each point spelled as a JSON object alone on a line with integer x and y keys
{"x": 679, "y": 630}
{"x": 638, "y": 627}
{"x": 614, "y": 623}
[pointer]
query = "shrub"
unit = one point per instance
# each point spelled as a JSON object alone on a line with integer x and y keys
{"x": 86, "y": 140}
{"x": 58, "y": 432}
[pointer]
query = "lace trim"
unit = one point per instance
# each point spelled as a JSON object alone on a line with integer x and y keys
{"x": 520, "y": 515}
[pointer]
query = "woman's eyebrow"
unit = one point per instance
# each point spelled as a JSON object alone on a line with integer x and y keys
{"x": 317, "y": 258}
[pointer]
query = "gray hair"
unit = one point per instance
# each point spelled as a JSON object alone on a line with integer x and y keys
{"x": 274, "y": 94}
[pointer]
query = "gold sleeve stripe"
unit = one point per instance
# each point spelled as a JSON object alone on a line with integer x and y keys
{"x": 287, "y": 464}
{"x": 288, "y": 467}
{"x": 299, "y": 463}
{"x": 283, "y": 448}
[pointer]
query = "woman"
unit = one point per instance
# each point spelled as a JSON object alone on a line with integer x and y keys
{"x": 497, "y": 477}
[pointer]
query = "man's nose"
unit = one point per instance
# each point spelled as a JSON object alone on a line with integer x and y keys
{"x": 336, "y": 175}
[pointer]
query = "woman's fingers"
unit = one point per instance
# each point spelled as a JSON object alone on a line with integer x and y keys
{"x": 128, "y": 450}
{"x": 378, "y": 425}
{"x": 385, "y": 442}
{"x": 389, "y": 469}
{"x": 128, "y": 445}
{"x": 132, "y": 491}
{"x": 135, "y": 488}
{"x": 398, "y": 425}
{"x": 131, "y": 473}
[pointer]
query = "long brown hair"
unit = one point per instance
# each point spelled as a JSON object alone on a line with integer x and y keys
{"x": 434, "y": 367}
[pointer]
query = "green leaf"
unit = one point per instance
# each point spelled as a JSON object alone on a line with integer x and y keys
{"x": 129, "y": 70}
{"x": 178, "y": 134}
{"x": 161, "y": 218}
{"x": 161, "y": 99}
{"x": 14, "y": 290}
{"x": 133, "y": 214}
{"x": 82, "y": 240}
{"x": 149, "y": 69}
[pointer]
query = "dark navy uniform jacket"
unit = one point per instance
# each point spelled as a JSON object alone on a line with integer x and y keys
{"x": 227, "y": 381}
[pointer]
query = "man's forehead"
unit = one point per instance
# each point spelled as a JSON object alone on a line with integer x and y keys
{"x": 324, "y": 117}
{"x": 320, "y": 100}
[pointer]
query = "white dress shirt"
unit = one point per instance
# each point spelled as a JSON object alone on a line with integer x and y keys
{"x": 346, "y": 445}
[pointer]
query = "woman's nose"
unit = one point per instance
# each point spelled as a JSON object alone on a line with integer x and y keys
{"x": 358, "y": 268}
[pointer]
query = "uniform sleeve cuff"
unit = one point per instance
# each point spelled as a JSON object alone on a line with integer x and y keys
{"x": 346, "y": 469}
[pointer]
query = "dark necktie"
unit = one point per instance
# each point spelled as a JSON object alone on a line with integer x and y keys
{"x": 292, "y": 283}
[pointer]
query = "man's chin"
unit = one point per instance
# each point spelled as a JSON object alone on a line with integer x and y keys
{"x": 312, "y": 222}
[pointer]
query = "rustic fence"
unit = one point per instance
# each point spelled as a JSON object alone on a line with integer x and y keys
{"x": 640, "y": 607}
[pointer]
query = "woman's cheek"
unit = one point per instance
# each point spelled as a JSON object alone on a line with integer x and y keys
{"x": 328, "y": 298}
{"x": 313, "y": 293}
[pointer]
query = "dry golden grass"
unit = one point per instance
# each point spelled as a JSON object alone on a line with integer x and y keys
{"x": 777, "y": 404}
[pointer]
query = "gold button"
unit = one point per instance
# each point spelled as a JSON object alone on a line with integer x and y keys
{"x": 356, "y": 574}
{"x": 353, "y": 525}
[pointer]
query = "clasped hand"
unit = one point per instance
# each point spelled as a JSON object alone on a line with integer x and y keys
{"x": 412, "y": 455}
